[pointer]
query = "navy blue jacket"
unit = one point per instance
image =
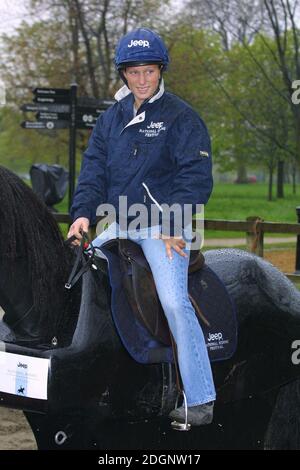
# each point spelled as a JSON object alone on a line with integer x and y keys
{"x": 162, "y": 155}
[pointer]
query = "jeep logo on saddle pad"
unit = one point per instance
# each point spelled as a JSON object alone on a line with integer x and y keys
{"x": 216, "y": 341}
{"x": 215, "y": 337}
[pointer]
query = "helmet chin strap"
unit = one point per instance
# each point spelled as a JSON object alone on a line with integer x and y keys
{"x": 153, "y": 94}
{"x": 123, "y": 77}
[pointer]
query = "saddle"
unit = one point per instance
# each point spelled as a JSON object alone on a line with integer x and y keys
{"x": 136, "y": 309}
{"x": 140, "y": 288}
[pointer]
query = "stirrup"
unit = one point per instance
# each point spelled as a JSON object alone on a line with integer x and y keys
{"x": 181, "y": 426}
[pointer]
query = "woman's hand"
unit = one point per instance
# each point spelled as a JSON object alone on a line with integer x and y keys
{"x": 79, "y": 226}
{"x": 175, "y": 243}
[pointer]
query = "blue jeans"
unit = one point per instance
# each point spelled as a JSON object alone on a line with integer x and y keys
{"x": 171, "y": 280}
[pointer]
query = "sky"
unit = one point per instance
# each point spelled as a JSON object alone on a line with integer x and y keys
{"x": 12, "y": 12}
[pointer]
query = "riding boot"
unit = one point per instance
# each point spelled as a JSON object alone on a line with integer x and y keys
{"x": 196, "y": 415}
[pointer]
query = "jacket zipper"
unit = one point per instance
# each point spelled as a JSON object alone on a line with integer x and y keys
{"x": 151, "y": 197}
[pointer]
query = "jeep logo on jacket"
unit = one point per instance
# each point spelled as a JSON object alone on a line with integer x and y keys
{"x": 161, "y": 155}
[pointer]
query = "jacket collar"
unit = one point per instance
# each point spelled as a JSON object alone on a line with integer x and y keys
{"x": 124, "y": 91}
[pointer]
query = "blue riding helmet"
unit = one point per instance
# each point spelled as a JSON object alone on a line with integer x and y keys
{"x": 141, "y": 47}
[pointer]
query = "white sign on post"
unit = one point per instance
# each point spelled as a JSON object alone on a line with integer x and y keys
{"x": 25, "y": 376}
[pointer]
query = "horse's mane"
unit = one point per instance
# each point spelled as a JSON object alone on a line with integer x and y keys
{"x": 28, "y": 230}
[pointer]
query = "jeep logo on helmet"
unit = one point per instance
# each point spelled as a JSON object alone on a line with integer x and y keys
{"x": 139, "y": 42}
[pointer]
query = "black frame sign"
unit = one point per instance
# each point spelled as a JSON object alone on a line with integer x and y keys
{"x": 60, "y": 108}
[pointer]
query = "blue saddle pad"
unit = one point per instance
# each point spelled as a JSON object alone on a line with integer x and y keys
{"x": 219, "y": 326}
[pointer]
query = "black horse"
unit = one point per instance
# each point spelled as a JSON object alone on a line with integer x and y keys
{"x": 97, "y": 395}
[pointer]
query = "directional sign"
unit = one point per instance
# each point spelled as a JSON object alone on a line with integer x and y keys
{"x": 107, "y": 103}
{"x": 85, "y": 125}
{"x": 89, "y": 102}
{"x": 89, "y": 110}
{"x": 49, "y": 125}
{"x": 51, "y": 108}
{"x": 45, "y": 116}
{"x": 31, "y": 107}
{"x": 51, "y": 99}
{"x": 60, "y": 108}
{"x": 87, "y": 118}
{"x": 52, "y": 92}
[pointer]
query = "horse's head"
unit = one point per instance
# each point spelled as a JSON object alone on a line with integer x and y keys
{"x": 35, "y": 266}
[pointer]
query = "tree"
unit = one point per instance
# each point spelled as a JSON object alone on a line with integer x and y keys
{"x": 94, "y": 29}
{"x": 233, "y": 20}
{"x": 249, "y": 124}
{"x": 282, "y": 15}
{"x": 67, "y": 40}
{"x": 25, "y": 64}
{"x": 242, "y": 23}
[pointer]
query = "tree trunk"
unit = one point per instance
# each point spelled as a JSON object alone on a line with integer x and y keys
{"x": 88, "y": 49}
{"x": 280, "y": 177}
{"x": 241, "y": 173}
{"x": 294, "y": 175}
{"x": 297, "y": 146}
{"x": 270, "y": 185}
{"x": 73, "y": 20}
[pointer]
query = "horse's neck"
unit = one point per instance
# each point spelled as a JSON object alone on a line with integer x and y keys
{"x": 16, "y": 297}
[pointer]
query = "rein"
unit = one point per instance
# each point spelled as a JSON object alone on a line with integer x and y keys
{"x": 80, "y": 258}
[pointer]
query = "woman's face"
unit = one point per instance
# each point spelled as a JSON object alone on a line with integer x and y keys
{"x": 142, "y": 81}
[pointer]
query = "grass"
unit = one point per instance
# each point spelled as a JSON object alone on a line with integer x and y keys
{"x": 239, "y": 201}
{"x": 63, "y": 206}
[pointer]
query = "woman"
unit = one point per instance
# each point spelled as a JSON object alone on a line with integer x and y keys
{"x": 152, "y": 148}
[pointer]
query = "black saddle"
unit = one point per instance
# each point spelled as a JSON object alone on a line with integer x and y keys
{"x": 140, "y": 288}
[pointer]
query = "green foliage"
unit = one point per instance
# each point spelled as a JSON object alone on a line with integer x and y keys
{"x": 239, "y": 92}
{"x": 20, "y": 148}
{"x": 39, "y": 55}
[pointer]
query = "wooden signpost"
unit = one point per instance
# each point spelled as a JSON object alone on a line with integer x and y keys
{"x": 60, "y": 108}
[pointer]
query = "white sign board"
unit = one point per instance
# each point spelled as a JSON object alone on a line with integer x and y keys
{"x": 25, "y": 376}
